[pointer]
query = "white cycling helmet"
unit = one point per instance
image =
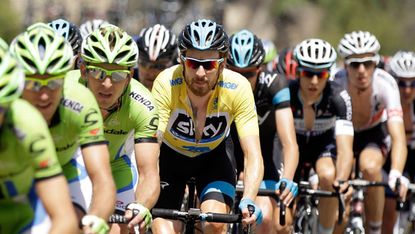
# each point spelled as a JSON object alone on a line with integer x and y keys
{"x": 403, "y": 64}
{"x": 157, "y": 42}
{"x": 358, "y": 42}
{"x": 90, "y": 25}
{"x": 315, "y": 53}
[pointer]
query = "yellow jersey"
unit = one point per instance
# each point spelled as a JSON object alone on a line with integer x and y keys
{"x": 231, "y": 100}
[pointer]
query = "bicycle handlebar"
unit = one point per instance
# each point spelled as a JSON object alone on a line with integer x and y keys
{"x": 196, "y": 214}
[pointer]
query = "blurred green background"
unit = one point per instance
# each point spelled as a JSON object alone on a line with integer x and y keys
{"x": 286, "y": 22}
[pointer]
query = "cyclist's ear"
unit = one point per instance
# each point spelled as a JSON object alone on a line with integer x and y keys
{"x": 82, "y": 68}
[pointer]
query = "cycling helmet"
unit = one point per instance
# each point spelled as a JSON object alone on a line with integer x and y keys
{"x": 110, "y": 44}
{"x": 403, "y": 64}
{"x": 358, "y": 42}
{"x": 70, "y": 32}
{"x": 156, "y": 42}
{"x": 90, "y": 25}
{"x": 11, "y": 76}
{"x": 287, "y": 64}
{"x": 204, "y": 35}
{"x": 270, "y": 50}
{"x": 315, "y": 54}
{"x": 246, "y": 50}
{"x": 41, "y": 50}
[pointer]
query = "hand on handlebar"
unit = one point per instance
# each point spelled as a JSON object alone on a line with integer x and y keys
{"x": 394, "y": 175}
{"x": 290, "y": 191}
{"x": 139, "y": 216}
{"x": 247, "y": 219}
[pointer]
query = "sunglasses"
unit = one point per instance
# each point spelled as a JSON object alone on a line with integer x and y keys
{"x": 356, "y": 62}
{"x": 154, "y": 65}
{"x": 207, "y": 64}
{"x": 311, "y": 73}
{"x": 35, "y": 84}
{"x": 406, "y": 83}
{"x": 99, "y": 73}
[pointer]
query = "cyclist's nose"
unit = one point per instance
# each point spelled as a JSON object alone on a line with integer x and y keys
{"x": 107, "y": 83}
{"x": 201, "y": 72}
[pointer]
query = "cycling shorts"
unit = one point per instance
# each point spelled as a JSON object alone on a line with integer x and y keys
{"x": 376, "y": 137}
{"x": 214, "y": 173}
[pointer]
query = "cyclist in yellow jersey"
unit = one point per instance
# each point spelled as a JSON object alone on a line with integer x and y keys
{"x": 74, "y": 121}
{"x": 28, "y": 161}
{"x": 198, "y": 100}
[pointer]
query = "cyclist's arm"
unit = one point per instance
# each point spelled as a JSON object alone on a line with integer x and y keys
{"x": 399, "y": 150}
{"x": 54, "y": 194}
{"x": 148, "y": 188}
{"x": 96, "y": 159}
{"x": 253, "y": 166}
{"x": 286, "y": 132}
{"x": 344, "y": 162}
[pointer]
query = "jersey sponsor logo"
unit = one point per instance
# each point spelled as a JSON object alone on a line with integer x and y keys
{"x": 196, "y": 149}
{"x": 63, "y": 148}
{"x": 94, "y": 131}
{"x": 267, "y": 78}
{"x": 115, "y": 132}
{"x": 72, "y": 105}
{"x": 183, "y": 127}
{"x": 153, "y": 125}
{"x": 177, "y": 81}
{"x": 227, "y": 85}
{"x": 91, "y": 118}
{"x": 348, "y": 102}
{"x": 145, "y": 102}
{"x": 44, "y": 163}
{"x": 36, "y": 148}
{"x": 261, "y": 119}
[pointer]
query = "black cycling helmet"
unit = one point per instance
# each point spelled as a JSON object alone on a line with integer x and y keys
{"x": 246, "y": 50}
{"x": 204, "y": 35}
{"x": 69, "y": 31}
{"x": 287, "y": 64}
{"x": 156, "y": 42}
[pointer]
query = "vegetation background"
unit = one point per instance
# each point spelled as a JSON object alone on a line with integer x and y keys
{"x": 286, "y": 22}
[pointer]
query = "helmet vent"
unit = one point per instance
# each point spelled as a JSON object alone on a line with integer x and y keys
{"x": 121, "y": 55}
{"x": 29, "y": 61}
{"x": 100, "y": 52}
{"x": 54, "y": 62}
{"x": 42, "y": 48}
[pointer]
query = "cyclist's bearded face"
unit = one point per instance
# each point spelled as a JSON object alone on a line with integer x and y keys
{"x": 201, "y": 71}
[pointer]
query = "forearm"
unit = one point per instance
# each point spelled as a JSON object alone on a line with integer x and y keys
{"x": 103, "y": 198}
{"x": 253, "y": 174}
{"x": 148, "y": 190}
{"x": 290, "y": 155}
{"x": 398, "y": 155}
{"x": 344, "y": 161}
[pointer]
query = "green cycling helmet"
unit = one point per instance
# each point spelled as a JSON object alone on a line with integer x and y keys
{"x": 110, "y": 44}
{"x": 11, "y": 77}
{"x": 40, "y": 50}
{"x": 270, "y": 50}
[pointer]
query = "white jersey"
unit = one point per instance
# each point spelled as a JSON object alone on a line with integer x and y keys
{"x": 385, "y": 100}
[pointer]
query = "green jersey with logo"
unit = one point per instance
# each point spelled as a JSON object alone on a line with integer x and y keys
{"x": 27, "y": 154}
{"x": 137, "y": 112}
{"x": 77, "y": 122}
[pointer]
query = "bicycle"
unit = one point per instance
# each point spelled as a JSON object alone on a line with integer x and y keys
{"x": 356, "y": 222}
{"x": 306, "y": 214}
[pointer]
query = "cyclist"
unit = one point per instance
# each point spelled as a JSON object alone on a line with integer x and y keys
{"x": 402, "y": 68}
{"x": 72, "y": 115}
{"x": 109, "y": 55}
{"x": 89, "y": 26}
{"x": 28, "y": 158}
{"x": 271, "y": 56}
{"x": 286, "y": 64}
{"x": 158, "y": 50}
{"x": 323, "y": 122}
{"x": 272, "y": 100}
{"x": 198, "y": 100}
{"x": 71, "y": 34}
{"x": 377, "y": 118}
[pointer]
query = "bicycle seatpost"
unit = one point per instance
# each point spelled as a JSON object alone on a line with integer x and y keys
{"x": 282, "y": 206}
